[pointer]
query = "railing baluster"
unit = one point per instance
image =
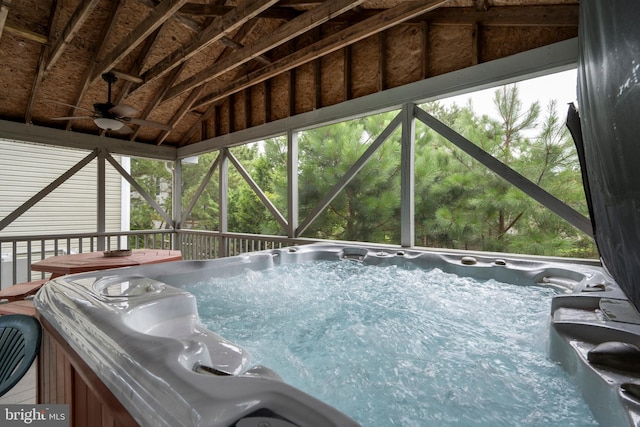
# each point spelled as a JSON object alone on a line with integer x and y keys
{"x": 14, "y": 272}
{"x": 29, "y": 260}
{"x": 194, "y": 244}
{"x": 1, "y": 264}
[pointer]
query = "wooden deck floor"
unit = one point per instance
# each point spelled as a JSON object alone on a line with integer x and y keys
{"x": 25, "y": 391}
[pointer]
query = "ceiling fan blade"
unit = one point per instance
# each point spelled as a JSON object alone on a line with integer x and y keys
{"x": 72, "y": 117}
{"x": 149, "y": 123}
{"x": 70, "y": 105}
{"x": 124, "y": 130}
{"x": 123, "y": 110}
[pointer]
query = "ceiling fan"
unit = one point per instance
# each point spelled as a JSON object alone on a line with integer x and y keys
{"x": 111, "y": 117}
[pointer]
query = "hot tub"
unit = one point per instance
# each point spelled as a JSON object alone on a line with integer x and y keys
{"x": 134, "y": 336}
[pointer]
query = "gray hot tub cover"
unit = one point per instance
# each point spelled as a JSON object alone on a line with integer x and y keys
{"x": 609, "y": 104}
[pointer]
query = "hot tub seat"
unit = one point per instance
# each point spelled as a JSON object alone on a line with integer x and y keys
{"x": 147, "y": 345}
{"x": 595, "y": 335}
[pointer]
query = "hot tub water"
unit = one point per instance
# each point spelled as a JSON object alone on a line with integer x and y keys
{"x": 399, "y": 346}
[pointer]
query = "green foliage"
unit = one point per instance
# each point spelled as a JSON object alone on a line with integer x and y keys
{"x": 458, "y": 202}
{"x": 204, "y": 215}
{"x": 155, "y": 179}
{"x": 368, "y": 207}
{"x": 461, "y": 204}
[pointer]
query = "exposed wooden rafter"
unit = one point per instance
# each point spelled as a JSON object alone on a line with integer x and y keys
{"x": 4, "y": 12}
{"x": 76, "y": 22}
{"x": 182, "y": 19}
{"x": 285, "y": 13}
{"x": 169, "y": 80}
{"x": 25, "y": 33}
{"x": 226, "y": 24}
{"x": 336, "y": 41}
{"x": 137, "y": 66}
{"x": 231, "y": 65}
{"x": 305, "y": 22}
{"x": 44, "y": 53}
{"x": 508, "y": 16}
{"x": 195, "y": 94}
{"x": 104, "y": 36}
{"x": 158, "y": 16}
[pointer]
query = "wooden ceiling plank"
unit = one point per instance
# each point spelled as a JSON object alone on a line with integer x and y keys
{"x": 482, "y": 5}
{"x": 125, "y": 75}
{"x": 4, "y": 12}
{"x": 184, "y": 109}
{"x": 382, "y": 63}
{"x": 20, "y": 31}
{"x": 299, "y": 3}
{"x": 194, "y": 129}
{"x": 305, "y": 22}
{"x": 424, "y": 47}
{"x": 285, "y": 13}
{"x": 237, "y": 46}
{"x": 196, "y": 27}
{"x": 168, "y": 82}
{"x": 187, "y": 22}
{"x": 241, "y": 35}
{"x": 105, "y": 32}
{"x": 138, "y": 65}
{"x": 475, "y": 44}
{"x": 384, "y": 20}
{"x": 44, "y": 53}
{"x": 218, "y": 29}
{"x": 561, "y": 15}
{"x": 77, "y": 20}
{"x": 553, "y": 15}
{"x": 158, "y": 16}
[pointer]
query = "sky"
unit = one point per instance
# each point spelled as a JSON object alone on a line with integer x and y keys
{"x": 560, "y": 86}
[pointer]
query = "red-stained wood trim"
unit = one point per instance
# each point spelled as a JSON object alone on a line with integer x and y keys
{"x": 71, "y": 381}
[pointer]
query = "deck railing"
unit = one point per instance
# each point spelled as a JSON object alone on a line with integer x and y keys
{"x": 19, "y": 252}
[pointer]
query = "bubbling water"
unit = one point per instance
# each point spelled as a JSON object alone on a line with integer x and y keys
{"x": 398, "y": 346}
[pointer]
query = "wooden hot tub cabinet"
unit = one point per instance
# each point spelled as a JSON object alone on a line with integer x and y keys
{"x": 64, "y": 378}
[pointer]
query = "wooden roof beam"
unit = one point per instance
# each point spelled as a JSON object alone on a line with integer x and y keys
{"x": 187, "y": 22}
{"x": 20, "y": 31}
{"x": 159, "y": 94}
{"x": 561, "y": 15}
{"x": 285, "y": 13}
{"x": 44, "y": 53}
{"x": 196, "y": 27}
{"x": 158, "y": 16}
{"x": 135, "y": 68}
{"x": 236, "y": 46}
{"x": 104, "y": 36}
{"x": 203, "y": 119}
{"x": 4, "y": 12}
{"x": 170, "y": 79}
{"x": 382, "y": 21}
{"x": 557, "y": 15}
{"x": 214, "y": 32}
{"x": 299, "y": 3}
{"x": 178, "y": 115}
{"x": 241, "y": 35}
{"x": 303, "y": 23}
{"x": 125, "y": 75}
{"x": 77, "y": 20}
{"x": 482, "y": 4}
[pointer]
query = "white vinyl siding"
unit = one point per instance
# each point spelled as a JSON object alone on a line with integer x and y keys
{"x": 25, "y": 169}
